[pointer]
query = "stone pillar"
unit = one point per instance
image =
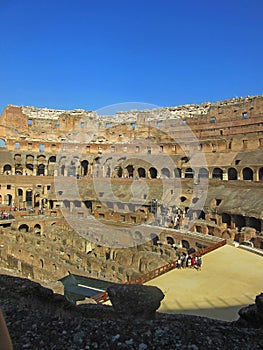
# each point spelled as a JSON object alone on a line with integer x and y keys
{"x": 256, "y": 175}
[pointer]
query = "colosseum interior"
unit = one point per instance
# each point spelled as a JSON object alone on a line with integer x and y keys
{"x": 77, "y": 188}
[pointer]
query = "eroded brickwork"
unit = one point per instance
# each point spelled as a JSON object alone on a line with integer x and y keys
{"x": 56, "y": 164}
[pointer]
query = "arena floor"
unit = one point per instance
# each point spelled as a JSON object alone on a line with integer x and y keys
{"x": 230, "y": 279}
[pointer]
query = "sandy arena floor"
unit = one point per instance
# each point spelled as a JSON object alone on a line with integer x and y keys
{"x": 230, "y": 279}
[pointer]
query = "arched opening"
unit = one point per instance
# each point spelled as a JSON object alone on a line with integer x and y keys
{"x": 29, "y": 168}
{"x": 247, "y": 174}
{"x": 177, "y": 173}
{"x": 51, "y": 165}
{"x": 217, "y": 173}
{"x": 254, "y": 222}
{"x": 260, "y": 174}
{"x": 119, "y": 171}
{"x": 232, "y": 174}
{"x": 7, "y": 169}
{"x": 226, "y": 219}
{"x": 84, "y": 167}
{"x": 62, "y": 170}
{"x": 200, "y": 214}
{"x": 185, "y": 244}
{"x": 153, "y": 173}
{"x": 77, "y": 204}
{"x": 154, "y": 238}
{"x": 189, "y": 173}
{"x": 23, "y": 228}
{"x": 203, "y": 173}
{"x": 41, "y": 263}
{"x": 36, "y": 200}
{"x": 37, "y": 229}
{"x": 52, "y": 159}
{"x": 165, "y": 173}
{"x": 239, "y": 221}
{"x": 170, "y": 240}
{"x": 108, "y": 172}
{"x": 41, "y": 169}
{"x": 2, "y": 143}
{"x": 8, "y": 199}
{"x": 66, "y": 204}
{"x": 29, "y": 196}
{"x": 141, "y": 172}
{"x": 72, "y": 170}
{"x": 130, "y": 170}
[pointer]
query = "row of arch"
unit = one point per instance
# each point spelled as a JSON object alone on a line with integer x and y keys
{"x": 216, "y": 173}
{"x": 83, "y": 168}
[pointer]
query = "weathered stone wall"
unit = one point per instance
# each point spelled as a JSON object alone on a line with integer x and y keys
{"x": 127, "y": 152}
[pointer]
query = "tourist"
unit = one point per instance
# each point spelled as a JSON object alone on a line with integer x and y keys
{"x": 199, "y": 263}
{"x": 179, "y": 263}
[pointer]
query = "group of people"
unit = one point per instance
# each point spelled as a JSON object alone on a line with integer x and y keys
{"x": 190, "y": 261}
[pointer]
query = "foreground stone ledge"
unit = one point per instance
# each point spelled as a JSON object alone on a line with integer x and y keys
{"x": 135, "y": 301}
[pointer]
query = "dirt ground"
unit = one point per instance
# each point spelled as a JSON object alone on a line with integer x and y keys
{"x": 230, "y": 279}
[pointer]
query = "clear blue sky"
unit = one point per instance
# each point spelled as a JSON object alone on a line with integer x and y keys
{"x": 70, "y": 54}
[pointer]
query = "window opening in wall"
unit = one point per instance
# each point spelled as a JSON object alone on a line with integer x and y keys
{"x": 161, "y": 149}
{"x": 158, "y": 125}
{"x": 107, "y": 125}
{"x": 237, "y": 161}
{"x": 17, "y": 144}
{"x": 82, "y": 125}
{"x": 221, "y": 131}
{"x": 57, "y": 125}
{"x": 42, "y": 147}
{"x": 218, "y": 201}
{"x": 29, "y": 145}
{"x": 8, "y": 187}
{"x": 29, "y": 122}
{"x": 112, "y": 149}
{"x": 245, "y": 115}
{"x": 149, "y": 150}
{"x": 133, "y": 125}
{"x": 245, "y": 143}
{"x": 88, "y": 149}
{"x": 137, "y": 149}
{"x": 212, "y": 119}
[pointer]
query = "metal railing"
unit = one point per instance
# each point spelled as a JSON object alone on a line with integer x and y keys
{"x": 102, "y": 297}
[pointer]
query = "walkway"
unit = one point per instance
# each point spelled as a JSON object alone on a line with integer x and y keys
{"x": 230, "y": 279}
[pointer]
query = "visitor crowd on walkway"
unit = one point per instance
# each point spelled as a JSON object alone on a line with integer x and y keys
{"x": 189, "y": 261}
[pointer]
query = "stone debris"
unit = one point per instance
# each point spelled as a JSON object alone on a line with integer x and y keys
{"x": 135, "y": 301}
{"x": 38, "y": 320}
{"x": 252, "y": 315}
